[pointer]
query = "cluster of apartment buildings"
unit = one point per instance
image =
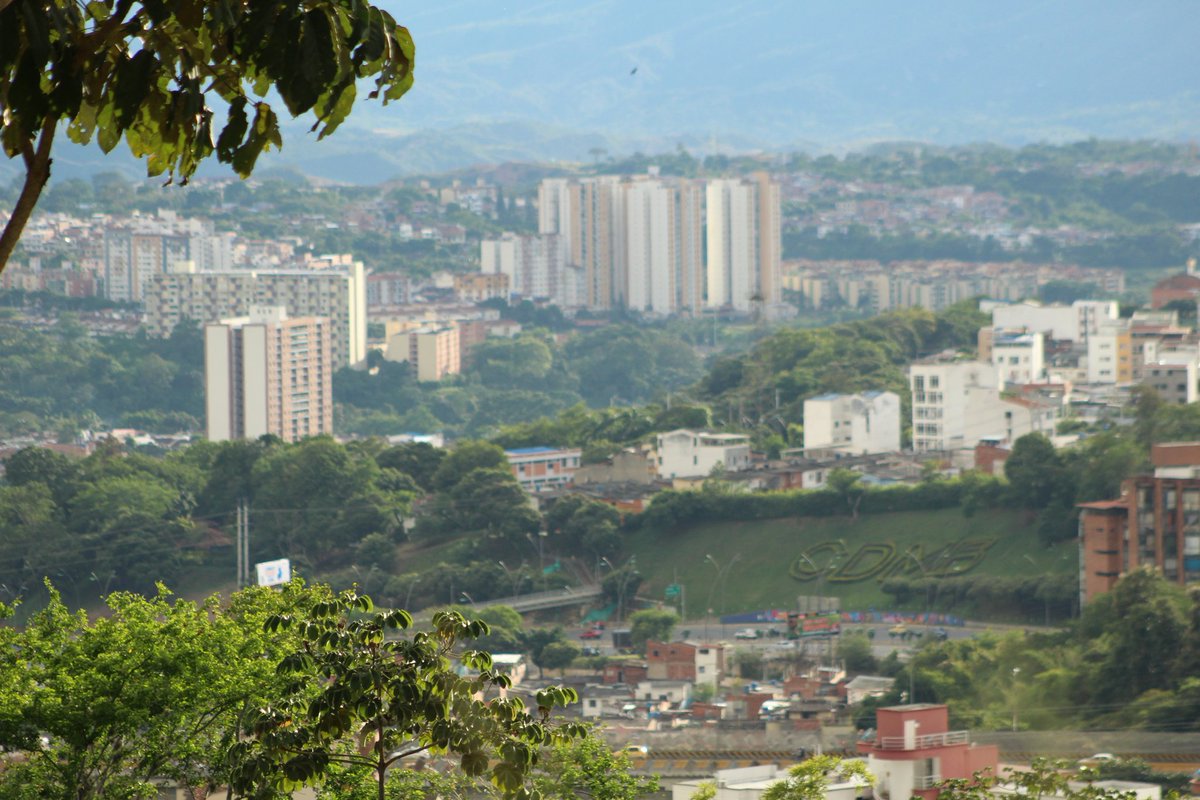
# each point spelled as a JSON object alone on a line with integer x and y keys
{"x": 656, "y": 245}
{"x": 932, "y": 285}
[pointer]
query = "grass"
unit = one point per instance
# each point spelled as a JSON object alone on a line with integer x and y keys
{"x": 764, "y": 551}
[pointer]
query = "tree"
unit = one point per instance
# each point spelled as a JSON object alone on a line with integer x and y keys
{"x": 847, "y": 485}
{"x": 809, "y": 779}
{"x": 558, "y": 655}
{"x": 364, "y": 701}
{"x": 1035, "y": 472}
{"x": 147, "y": 71}
{"x": 651, "y": 624}
{"x": 465, "y": 458}
{"x": 855, "y": 651}
{"x": 587, "y": 767}
{"x": 535, "y": 640}
{"x": 153, "y": 690}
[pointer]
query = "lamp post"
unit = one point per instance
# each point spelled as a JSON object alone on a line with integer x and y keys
{"x": 820, "y": 573}
{"x": 722, "y": 575}
{"x": 468, "y": 598}
{"x": 514, "y": 575}
{"x": 1016, "y": 671}
{"x": 627, "y": 571}
{"x": 924, "y": 575}
{"x": 539, "y": 543}
{"x": 411, "y": 585}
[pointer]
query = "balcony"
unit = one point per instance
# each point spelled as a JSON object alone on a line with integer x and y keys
{"x": 924, "y": 742}
{"x": 926, "y": 781}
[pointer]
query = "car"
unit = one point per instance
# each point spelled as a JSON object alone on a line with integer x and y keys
{"x": 941, "y": 634}
{"x": 898, "y": 630}
{"x": 591, "y": 633}
{"x": 635, "y": 750}
{"x": 591, "y": 651}
{"x": 1096, "y": 760}
{"x": 785, "y": 644}
{"x": 746, "y": 633}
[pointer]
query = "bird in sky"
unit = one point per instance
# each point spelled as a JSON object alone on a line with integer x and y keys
{"x": 633, "y": 71}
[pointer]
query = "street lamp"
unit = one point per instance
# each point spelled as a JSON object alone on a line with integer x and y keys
{"x": 625, "y": 574}
{"x": 539, "y": 543}
{"x": 514, "y": 575}
{"x": 1016, "y": 671}
{"x": 820, "y": 573}
{"x": 924, "y": 575}
{"x": 722, "y": 575}
{"x": 411, "y": 585}
{"x": 468, "y": 598}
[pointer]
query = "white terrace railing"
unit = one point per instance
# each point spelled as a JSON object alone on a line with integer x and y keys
{"x": 923, "y": 742}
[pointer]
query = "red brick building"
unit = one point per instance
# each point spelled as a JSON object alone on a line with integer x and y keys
{"x": 1156, "y": 522}
{"x": 1184, "y": 286}
{"x": 685, "y": 661}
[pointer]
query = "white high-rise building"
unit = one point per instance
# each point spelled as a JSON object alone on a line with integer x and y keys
{"x": 663, "y": 266}
{"x": 636, "y": 242}
{"x": 855, "y": 424}
{"x": 137, "y": 250}
{"x": 536, "y": 267}
{"x": 268, "y": 374}
{"x": 744, "y": 243}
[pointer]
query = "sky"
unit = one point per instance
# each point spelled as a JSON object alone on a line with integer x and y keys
{"x": 780, "y": 71}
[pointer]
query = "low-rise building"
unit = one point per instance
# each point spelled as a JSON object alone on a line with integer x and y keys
{"x": 914, "y": 749}
{"x": 693, "y": 454}
{"x": 855, "y": 424}
{"x": 543, "y": 469}
{"x": 685, "y": 661}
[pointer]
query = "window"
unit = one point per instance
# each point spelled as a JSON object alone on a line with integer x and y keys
{"x": 934, "y": 381}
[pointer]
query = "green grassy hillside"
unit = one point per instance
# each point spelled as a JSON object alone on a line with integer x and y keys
{"x": 990, "y": 543}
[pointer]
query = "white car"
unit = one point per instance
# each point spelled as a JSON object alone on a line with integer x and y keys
{"x": 746, "y": 633}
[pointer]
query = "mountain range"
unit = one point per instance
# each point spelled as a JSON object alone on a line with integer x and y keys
{"x": 562, "y": 80}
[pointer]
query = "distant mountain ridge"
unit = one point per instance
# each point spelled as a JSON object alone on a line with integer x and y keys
{"x": 536, "y": 81}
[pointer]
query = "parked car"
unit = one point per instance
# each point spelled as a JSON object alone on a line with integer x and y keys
{"x": 1097, "y": 759}
{"x": 591, "y": 651}
{"x": 746, "y": 633}
{"x": 941, "y": 634}
{"x": 591, "y": 633}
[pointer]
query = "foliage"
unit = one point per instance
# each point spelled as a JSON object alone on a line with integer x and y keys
{"x": 1035, "y": 473}
{"x": 155, "y": 689}
{"x": 559, "y": 655}
{"x": 586, "y": 767}
{"x": 809, "y": 779}
{"x": 362, "y": 700}
{"x": 147, "y": 72}
{"x": 855, "y": 652}
{"x": 651, "y": 624}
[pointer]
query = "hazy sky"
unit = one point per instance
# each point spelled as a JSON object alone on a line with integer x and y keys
{"x": 781, "y": 70}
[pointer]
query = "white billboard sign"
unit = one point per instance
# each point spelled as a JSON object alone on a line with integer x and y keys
{"x": 273, "y": 573}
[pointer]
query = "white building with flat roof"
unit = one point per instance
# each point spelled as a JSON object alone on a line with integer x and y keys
{"x": 694, "y": 454}
{"x": 955, "y": 404}
{"x": 543, "y": 469}
{"x": 1073, "y": 323}
{"x": 338, "y": 293}
{"x": 1018, "y": 355}
{"x": 855, "y": 424}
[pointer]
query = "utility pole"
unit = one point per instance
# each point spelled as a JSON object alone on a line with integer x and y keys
{"x": 243, "y": 543}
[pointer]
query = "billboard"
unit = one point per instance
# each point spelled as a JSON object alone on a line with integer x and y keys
{"x": 273, "y": 573}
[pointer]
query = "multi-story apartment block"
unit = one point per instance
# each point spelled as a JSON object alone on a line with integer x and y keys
{"x": 389, "y": 289}
{"x": 543, "y": 469}
{"x": 855, "y": 424}
{"x": 142, "y": 247}
{"x": 956, "y": 404}
{"x": 477, "y": 287}
{"x": 1175, "y": 380}
{"x": 1155, "y": 523}
{"x": 636, "y": 241}
{"x": 664, "y": 273}
{"x": 744, "y": 244}
{"x": 694, "y": 454}
{"x": 434, "y": 353}
{"x": 535, "y": 267}
{"x": 1110, "y": 354}
{"x": 339, "y": 294}
{"x": 1073, "y": 323}
{"x": 1019, "y": 356}
{"x": 268, "y": 374}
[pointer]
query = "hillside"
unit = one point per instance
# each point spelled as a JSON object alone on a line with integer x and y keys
{"x": 767, "y": 550}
